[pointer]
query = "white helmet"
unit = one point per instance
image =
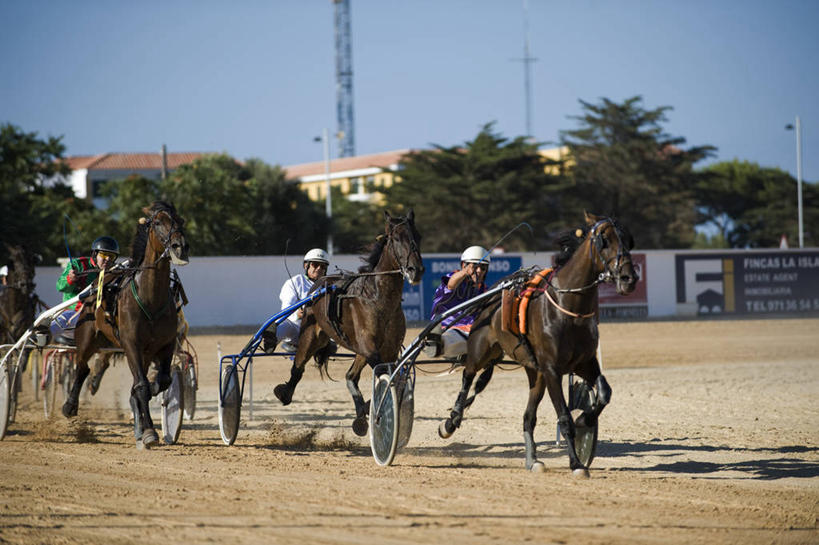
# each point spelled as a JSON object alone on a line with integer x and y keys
{"x": 317, "y": 254}
{"x": 4, "y": 271}
{"x": 475, "y": 254}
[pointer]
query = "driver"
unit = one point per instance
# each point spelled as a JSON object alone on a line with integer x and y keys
{"x": 295, "y": 289}
{"x": 455, "y": 288}
{"x": 79, "y": 273}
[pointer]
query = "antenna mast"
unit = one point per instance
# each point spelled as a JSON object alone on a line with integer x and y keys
{"x": 344, "y": 79}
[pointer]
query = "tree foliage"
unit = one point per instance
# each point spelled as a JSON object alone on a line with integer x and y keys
{"x": 625, "y": 165}
{"x": 752, "y": 206}
{"x": 477, "y": 192}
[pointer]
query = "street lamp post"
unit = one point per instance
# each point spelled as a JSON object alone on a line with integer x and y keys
{"x": 798, "y": 130}
{"x": 328, "y": 203}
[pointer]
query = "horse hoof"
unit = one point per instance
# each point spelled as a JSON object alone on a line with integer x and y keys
{"x": 69, "y": 409}
{"x": 538, "y": 467}
{"x": 443, "y": 433}
{"x": 283, "y": 393}
{"x": 360, "y": 426}
{"x": 581, "y": 473}
{"x": 149, "y": 439}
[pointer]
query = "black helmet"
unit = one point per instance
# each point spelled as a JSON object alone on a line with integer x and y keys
{"x": 106, "y": 244}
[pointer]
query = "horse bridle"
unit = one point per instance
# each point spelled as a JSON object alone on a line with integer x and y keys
{"x": 166, "y": 240}
{"x": 403, "y": 269}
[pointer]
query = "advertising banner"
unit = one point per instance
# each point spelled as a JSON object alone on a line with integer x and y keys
{"x": 773, "y": 282}
{"x": 633, "y": 305}
{"x": 417, "y": 302}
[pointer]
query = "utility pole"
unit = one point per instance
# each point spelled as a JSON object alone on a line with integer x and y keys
{"x": 527, "y": 61}
{"x": 798, "y": 129}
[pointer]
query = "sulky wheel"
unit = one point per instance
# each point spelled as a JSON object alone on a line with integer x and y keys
{"x": 230, "y": 403}
{"x": 383, "y": 421}
{"x": 49, "y": 384}
{"x": 406, "y": 412}
{"x": 5, "y": 398}
{"x": 189, "y": 386}
{"x": 585, "y": 439}
{"x": 172, "y": 403}
{"x": 35, "y": 364}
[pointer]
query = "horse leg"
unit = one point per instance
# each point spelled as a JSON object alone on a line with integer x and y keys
{"x": 96, "y": 378}
{"x": 72, "y": 402}
{"x": 448, "y": 426}
{"x": 537, "y": 385}
{"x": 86, "y": 347}
{"x": 592, "y": 375}
{"x": 308, "y": 344}
{"x": 480, "y": 385}
{"x": 163, "y": 376}
{"x": 144, "y": 432}
{"x": 360, "y": 424}
{"x": 564, "y": 420}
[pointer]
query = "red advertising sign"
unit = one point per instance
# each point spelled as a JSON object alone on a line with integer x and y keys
{"x": 608, "y": 294}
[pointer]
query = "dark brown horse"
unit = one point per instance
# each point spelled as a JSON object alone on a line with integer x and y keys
{"x": 562, "y": 335}
{"x": 18, "y": 302}
{"x": 367, "y": 317}
{"x": 143, "y": 322}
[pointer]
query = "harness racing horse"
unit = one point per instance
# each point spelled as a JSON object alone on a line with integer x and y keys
{"x": 562, "y": 335}
{"x": 18, "y": 302}
{"x": 364, "y": 315}
{"x": 143, "y": 322}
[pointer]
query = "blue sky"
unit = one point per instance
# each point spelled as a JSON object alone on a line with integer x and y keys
{"x": 257, "y": 78}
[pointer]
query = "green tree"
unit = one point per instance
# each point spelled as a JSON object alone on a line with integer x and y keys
{"x": 33, "y": 200}
{"x": 626, "y": 166}
{"x": 282, "y": 212}
{"x": 754, "y": 206}
{"x": 477, "y": 192}
{"x": 355, "y": 223}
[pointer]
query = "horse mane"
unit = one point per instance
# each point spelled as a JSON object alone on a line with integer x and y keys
{"x": 375, "y": 250}
{"x": 143, "y": 229}
{"x": 568, "y": 242}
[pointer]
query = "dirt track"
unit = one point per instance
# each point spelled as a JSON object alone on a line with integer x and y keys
{"x": 711, "y": 437}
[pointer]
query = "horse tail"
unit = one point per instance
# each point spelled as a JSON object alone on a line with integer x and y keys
{"x": 322, "y": 357}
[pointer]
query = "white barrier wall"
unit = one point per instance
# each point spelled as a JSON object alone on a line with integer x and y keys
{"x": 243, "y": 291}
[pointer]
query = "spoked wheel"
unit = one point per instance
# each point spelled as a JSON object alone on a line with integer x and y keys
{"x": 172, "y": 403}
{"x": 5, "y": 398}
{"x": 406, "y": 412}
{"x": 230, "y": 404}
{"x": 585, "y": 438}
{"x": 189, "y": 386}
{"x": 383, "y": 421}
{"x": 15, "y": 382}
{"x": 49, "y": 384}
{"x": 35, "y": 362}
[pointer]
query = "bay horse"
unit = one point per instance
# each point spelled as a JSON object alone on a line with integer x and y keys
{"x": 143, "y": 322}
{"x": 18, "y": 302}
{"x": 365, "y": 316}
{"x": 562, "y": 335}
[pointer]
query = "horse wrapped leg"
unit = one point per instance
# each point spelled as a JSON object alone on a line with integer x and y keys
{"x": 448, "y": 426}
{"x": 362, "y": 408}
{"x": 144, "y": 432}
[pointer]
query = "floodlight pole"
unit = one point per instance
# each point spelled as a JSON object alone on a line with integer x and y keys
{"x": 328, "y": 203}
{"x": 798, "y": 130}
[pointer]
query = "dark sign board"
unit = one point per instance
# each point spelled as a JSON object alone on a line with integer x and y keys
{"x": 772, "y": 282}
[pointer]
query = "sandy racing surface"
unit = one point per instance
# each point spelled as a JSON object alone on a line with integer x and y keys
{"x": 712, "y": 436}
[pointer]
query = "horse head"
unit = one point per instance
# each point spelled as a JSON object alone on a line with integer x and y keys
{"x": 404, "y": 242}
{"x": 166, "y": 234}
{"x": 613, "y": 244}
